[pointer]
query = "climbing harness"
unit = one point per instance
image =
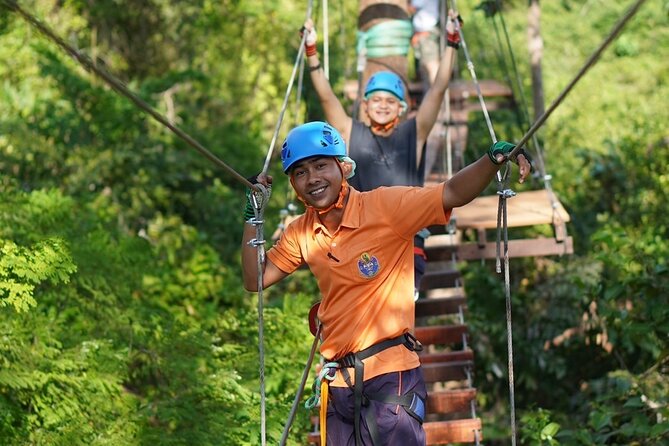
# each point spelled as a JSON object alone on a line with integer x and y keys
{"x": 411, "y": 402}
{"x": 320, "y": 389}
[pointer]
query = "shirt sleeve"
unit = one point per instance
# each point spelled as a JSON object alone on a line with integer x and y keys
{"x": 286, "y": 254}
{"x": 412, "y": 208}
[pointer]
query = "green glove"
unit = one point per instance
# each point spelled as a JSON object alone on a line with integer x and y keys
{"x": 249, "y": 213}
{"x": 502, "y": 147}
{"x": 249, "y": 210}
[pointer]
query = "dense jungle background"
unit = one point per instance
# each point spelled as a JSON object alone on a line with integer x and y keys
{"x": 123, "y": 320}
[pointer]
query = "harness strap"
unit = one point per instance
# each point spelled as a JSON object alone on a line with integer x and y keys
{"x": 411, "y": 402}
{"x": 354, "y": 360}
{"x": 357, "y": 391}
{"x": 325, "y": 387}
{"x": 419, "y": 252}
{"x": 407, "y": 339}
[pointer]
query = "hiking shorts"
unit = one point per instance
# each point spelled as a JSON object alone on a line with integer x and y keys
{"x": 395, "y": 425}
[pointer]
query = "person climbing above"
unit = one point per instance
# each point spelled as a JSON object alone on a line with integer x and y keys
{"x": 382, "y": 149}
{"x": 387, "y": 152}
{"x": 359, "y": 247}
{"x": 425, "y": 39}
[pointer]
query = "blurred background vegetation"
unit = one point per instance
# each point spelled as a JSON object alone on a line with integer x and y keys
{"x": 123, "y": 320}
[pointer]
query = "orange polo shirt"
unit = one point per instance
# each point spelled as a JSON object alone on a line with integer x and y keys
{"x": 364, "y": 270}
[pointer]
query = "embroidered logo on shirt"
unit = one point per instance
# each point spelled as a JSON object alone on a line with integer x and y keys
{"x": 368, "y": 265}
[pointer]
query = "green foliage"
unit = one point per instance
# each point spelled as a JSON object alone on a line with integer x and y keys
{"x": 537, "y": 429}
{"x": 582, "y": 323}
{"x": 122, "y": 315}
{"x": 21, "y": 269}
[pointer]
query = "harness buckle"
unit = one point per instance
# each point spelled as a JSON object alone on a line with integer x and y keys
{"x": 412, "y": 343}
{"x": 347, "y": 361}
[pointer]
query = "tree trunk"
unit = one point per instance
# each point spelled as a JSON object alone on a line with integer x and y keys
{"x": 536, "y": 48}
{"x": 373, "y": 12}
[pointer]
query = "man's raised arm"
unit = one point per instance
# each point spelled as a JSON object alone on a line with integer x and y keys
{"x": 431, "y": 104}
{"x": 469, "y": 182}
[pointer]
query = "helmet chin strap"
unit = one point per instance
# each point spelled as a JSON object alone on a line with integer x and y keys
{"x": 337, "y": 204}
{"x": 384, "y": 127}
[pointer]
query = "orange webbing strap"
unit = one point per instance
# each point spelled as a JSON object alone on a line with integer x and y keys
{"x": 325, "y": 387}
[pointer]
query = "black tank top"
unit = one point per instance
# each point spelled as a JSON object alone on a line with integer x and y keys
{"x": 385, "y": 161}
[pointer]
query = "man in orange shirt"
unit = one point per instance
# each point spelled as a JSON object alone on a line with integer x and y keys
{"x": 359, "y": 246}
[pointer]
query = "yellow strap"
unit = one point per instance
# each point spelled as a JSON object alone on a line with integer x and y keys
{"x": 324, "y": 410}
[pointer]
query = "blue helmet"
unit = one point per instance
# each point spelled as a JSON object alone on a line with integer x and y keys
{"x": 311, "y": 139}
{"x": 385, "y": 81}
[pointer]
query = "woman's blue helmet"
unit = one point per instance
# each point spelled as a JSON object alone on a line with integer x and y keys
{"x": 385, "y": 81}
{"x": 311, "y": 139}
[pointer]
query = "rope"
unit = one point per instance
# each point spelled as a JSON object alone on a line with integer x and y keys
{"x": 119, "y": 87}
{"x": 557, "y": 218}
{"x": 504, "y": 193}
{"x": 259, "y": 200}
{"x": 298, "y": 59}
{"x": 300, "y": 390}
{"x": 258, "y": 242}
{"x": 588, "y": 64}
{"x": 326, "y": 41}
{"x": 519, "y": 86}
{"x": 470, "y": 67}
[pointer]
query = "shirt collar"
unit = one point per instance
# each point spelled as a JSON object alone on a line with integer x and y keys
{"x": 351, "y": 217}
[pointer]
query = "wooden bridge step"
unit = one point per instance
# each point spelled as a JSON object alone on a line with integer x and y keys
{"x": 447, "y": 278}
{"x": 442, "y": 357}
{"x": 439, "y": 306}
{"x": 454, "y": 431}
{"x": 440, "y": 334}
{"x": 542, "y": 246}
{"x": 525, "y": 209}
{"x": 446, "y": 371}
{"x": 450, "y": 401}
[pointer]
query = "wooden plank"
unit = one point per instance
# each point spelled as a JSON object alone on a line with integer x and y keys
{"x": 442, "y": 357}
{"x": 517, "y": 248}
{"x": 436, "y": 432}
{"x": 526, "y": 209}
{"x": 454, "y": 431}
{"x": 489, "y": 88}
{"x": 440, "y": 279}
{"x": 440, "y": 334}
{"x": 446, "y": 371}
{"x": 441, "y": 305}
{"x": 441, "y": 253}
{"x": 465, "y": 89}
{"x": 450, "y": 401}
{"x": 314, "y": 438}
